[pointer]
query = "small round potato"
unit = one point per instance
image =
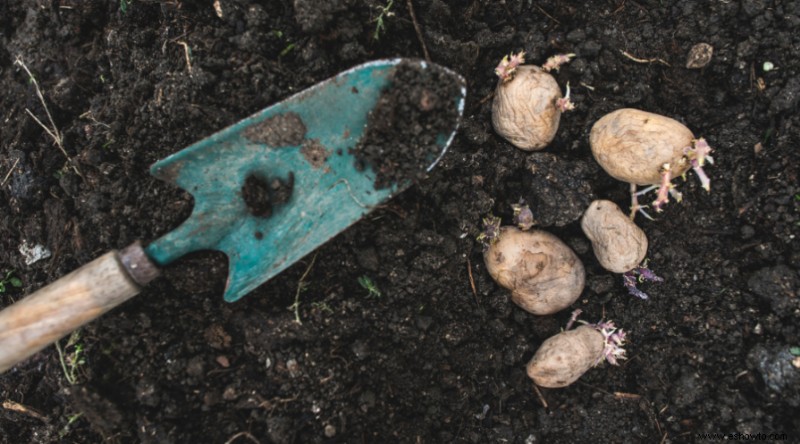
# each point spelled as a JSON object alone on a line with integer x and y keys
{"x": 543, "y": 274}
{"x": 633, "y": 145}
{"x": 563, "y": 358}
{"x": 524, "y": 110}
{"x": 618, "y": 243}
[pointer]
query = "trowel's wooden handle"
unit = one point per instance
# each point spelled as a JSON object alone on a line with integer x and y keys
{"x": 54, "y": 311}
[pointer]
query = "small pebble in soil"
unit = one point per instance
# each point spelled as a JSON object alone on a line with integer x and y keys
{"x": 33, "y": 253}
{"x": 229, "y": 394}
{"x": 293, "y": 367}
{"x": 223, "y": 361}
{"x": 774, "y": 364}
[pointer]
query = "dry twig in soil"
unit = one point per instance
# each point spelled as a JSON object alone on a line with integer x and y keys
{"x": 5, "y": 179}
{"x": 472, "y": 280}
{"x": 539, "y": 395}
{"x": 301, "y": 284}
{"x": 19, "y": 408}
{"x": 638, "y": 60}
{"x": 52, "y": 130}
{"x": 418, "y": 30}
{"x": 187, "y": 54}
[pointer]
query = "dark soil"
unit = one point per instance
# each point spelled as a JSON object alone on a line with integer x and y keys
{"x": 440, "y": 355}
{"x": 261, "y": 195}
{"x": 414, "y": 111}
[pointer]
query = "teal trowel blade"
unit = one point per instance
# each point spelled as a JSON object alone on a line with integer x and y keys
{"x": 304, "y": 140}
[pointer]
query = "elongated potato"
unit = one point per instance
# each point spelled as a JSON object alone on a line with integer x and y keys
{"x": 543, "y": 274}
{"x": 563, "y": 358}
{"x": 633, "y": 145}
{"x": 618, "y": 243}
{"x": 524, "y": 109}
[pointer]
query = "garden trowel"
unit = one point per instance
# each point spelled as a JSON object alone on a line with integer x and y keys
{"x": 267, "y": 191}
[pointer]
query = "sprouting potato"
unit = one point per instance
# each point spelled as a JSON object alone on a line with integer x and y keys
{"x": 618, "y": 244}
{"x": 543, "y": 274}
{"x": 633, "y": 145}
{"x": 565, "y": 357}
{"x": 643, "y": 148}
{"x": 525, "y": 110}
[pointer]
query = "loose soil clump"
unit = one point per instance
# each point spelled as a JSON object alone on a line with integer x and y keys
{"x": 405, "y": 129}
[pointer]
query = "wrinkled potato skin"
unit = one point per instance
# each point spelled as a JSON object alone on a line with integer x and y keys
{"x": 544, "y": 274}
{"x": 632, "y": 145}
{"x": 618, "y": 243}
{"x": 524, "y": 109}
{"x": 565, "y": 357}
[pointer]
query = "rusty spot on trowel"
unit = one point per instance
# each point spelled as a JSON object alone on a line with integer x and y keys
{"x": 315, "y": 153}
{"x": 277, "y": 131}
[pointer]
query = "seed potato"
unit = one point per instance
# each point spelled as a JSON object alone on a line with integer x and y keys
{"x": 524, "y": 109}
{"x": 618, "y": 243}
{"x": 543, "y": 274}
{"x": 633, "y": 145}
{"x": 565, "y": 357}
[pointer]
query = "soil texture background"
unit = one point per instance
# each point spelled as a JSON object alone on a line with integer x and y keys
{"x": 434, "y": 351}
